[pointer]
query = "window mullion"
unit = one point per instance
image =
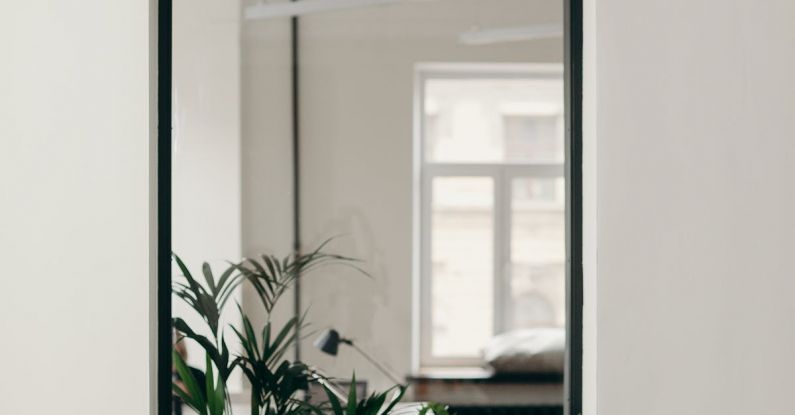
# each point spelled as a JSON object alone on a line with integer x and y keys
{"x": 507, "y": 235}
{"x": 501, "y": 245}
{"x": 426, "y": 200}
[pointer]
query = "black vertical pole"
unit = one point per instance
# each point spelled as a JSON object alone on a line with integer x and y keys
{"x": 164, "y": 393}
{"x": 573, "y": 59}
{"x": 296, "y": 171}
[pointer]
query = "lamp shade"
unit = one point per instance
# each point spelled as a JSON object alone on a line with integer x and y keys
{"x": 328, "y": 342}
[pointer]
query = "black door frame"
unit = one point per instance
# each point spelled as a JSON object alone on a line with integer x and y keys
{"x": 573, "y": 56}
{"x": 164, "y": 340}
{"x": 573, "y": 60}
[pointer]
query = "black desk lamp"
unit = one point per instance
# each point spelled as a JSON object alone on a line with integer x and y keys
{"x": 329, "y": 342}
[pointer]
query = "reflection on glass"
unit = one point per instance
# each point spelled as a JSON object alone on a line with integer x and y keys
{"x": 538, "y": 253}
{"x": 494, "y": 120}
{"x": 462, "y": 260}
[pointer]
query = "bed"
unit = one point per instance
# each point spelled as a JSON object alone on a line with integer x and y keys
{"x": 523, "y": 375}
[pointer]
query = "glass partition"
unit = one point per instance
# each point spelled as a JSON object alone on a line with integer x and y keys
{"x": 368, "y": 188}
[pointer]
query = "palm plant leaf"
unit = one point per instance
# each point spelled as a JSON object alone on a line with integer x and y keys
{"x": 194, "y": 397}
{"x": 434, "y": 408}
{"x": 286, "y": 338}
{"x": 219, "y": 357}
{"x": 401, "y": 390}
{"x": 351, "y": 410}
{"x": 214, "y": 405}
{"x": 208, "y": 276}
{"x": 336, "y": 407}
{"x": 202, "y": 301}
{"x": 274, "y": 381}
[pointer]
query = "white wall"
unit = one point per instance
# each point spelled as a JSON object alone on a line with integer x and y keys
{"x": 267, "y": 202}
{"x": 206, "y": 199}
{"x": 589, "y": 168}
{"x": 75, "y": 211}
{"x": 206, "y": 133}
{"x": 695, "y": 159}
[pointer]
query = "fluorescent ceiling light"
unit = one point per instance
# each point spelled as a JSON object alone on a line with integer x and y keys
{"x": 303, "y": 7}
{"x": 511, "y": 34}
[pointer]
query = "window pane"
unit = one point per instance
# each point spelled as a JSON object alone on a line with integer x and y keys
{"x": 538, "y": 253}
{"x": 494, "y": 120}
{"x": 533, "y": 138}
{"x": 462, "y": 222}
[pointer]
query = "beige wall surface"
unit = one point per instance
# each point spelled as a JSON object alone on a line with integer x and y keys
{"x": 266, "y": 144}
{"x": 590, "y": 191}
{"x": 75, "y": 210}
{"x": 695, "y": 201}
{"x": 206, "y": 172}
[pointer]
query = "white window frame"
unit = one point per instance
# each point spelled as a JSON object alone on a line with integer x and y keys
{"x": 502, "y": 175}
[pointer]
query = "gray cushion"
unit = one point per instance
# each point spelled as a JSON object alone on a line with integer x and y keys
{"x": 527, "y": 351}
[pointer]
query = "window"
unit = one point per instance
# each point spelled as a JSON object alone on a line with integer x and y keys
{"x": 491, "y": 209}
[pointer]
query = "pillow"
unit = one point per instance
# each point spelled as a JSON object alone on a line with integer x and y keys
{"x": 527, "y": 351}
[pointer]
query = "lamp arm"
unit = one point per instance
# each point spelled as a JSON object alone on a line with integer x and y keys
{"x": 333, "y": 387}
{"x": 391, "y": 375}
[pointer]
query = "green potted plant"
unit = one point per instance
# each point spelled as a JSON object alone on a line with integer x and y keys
{"x": 274, "y": 381}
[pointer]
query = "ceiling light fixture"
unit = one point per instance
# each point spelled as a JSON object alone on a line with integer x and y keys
{"x": 511, "y": 34}
{"x": 304, "y": 7}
